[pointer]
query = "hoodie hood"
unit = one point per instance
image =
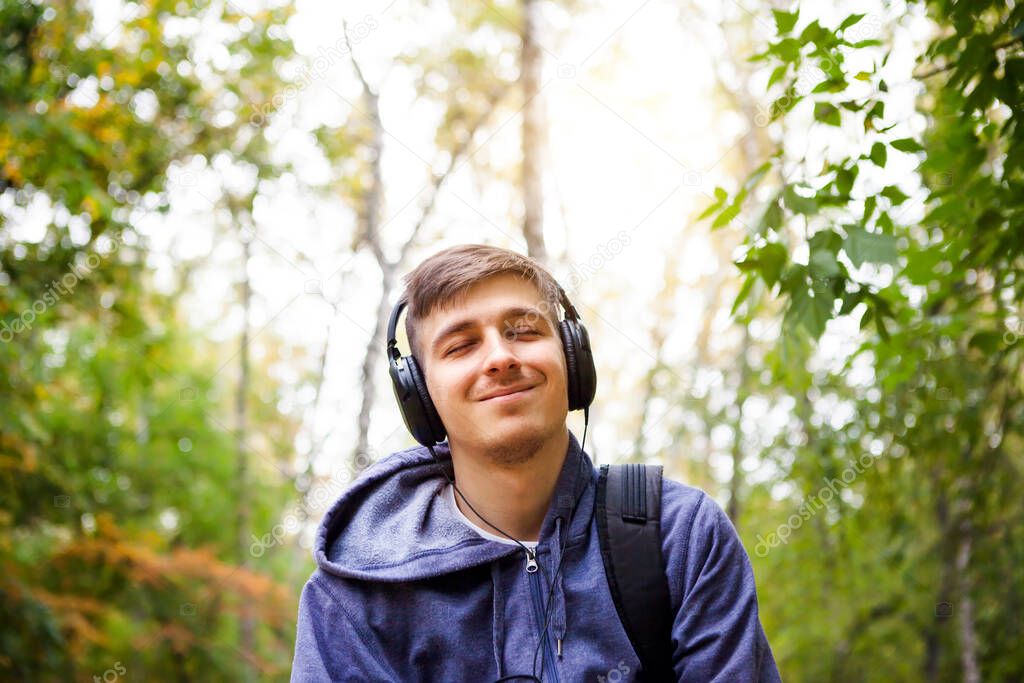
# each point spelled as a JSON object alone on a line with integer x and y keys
{"x": 393, "y": 524}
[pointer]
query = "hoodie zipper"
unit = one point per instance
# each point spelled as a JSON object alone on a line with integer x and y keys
{"x": 538, "y": 611}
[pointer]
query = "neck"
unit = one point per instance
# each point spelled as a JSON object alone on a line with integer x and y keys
{"x": 514, "y": 498}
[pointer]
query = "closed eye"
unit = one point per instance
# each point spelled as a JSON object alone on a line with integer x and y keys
{"x": 457, "y": 348}
{"x": 514, "y": 332}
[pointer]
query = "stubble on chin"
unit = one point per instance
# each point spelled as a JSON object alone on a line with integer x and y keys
{"x": 518, "y": 449}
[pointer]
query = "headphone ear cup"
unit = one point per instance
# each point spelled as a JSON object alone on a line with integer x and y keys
{"x": 587, "y": 369}
{"x": 414, "y": 401}
{"x": 569, "y": 347}
{"x": 433, "y": 419}
{"x": 579, "y": 361}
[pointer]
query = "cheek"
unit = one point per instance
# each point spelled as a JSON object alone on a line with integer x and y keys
{"x": 447, "y": 389}
{"x": 555, "y": 366}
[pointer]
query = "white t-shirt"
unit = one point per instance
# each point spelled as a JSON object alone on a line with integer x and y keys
{"x": 449, "y": 495}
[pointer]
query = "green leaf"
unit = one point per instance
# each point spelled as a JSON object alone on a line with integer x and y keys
{"x": 850, "y": 21}
{"x": 921, "y": 262}
{"x": 879, "y": 154}
{"x": 809, "y": 311}
{"x": 869, "y": 315}
{"x": 823, "y": 264}
{"x": 710, "y": 210}
{"x": 826, "y": 239}
{"x": 907, "y": 145}
{"x": 723, "y": 218}
{"x": 748, "y": 285}
{"x": 784, "y": 103}
{"x": 850, "y": 301}
{"x": 815, "y": 33}
{"x": 788, "y": 50}
{"x": 799, "y": 204}
{"x": 884, "y": 223}
{"x": 749, "y": 263}
{"x": 785, "y": 21}
{"x": 862, "y": 246}
{"x": 772, "y": 217}
{"x": 986, "y": 341}
{"x": 827, "y": 113}
{"x": 894, "y": 194}
{"x": 778, "y": 74}
{"x": 773, "y": 258}
{"x": 720, "y": 197}
{"x": 869, "y": 209}
{"x": 844, "y": 180}
{"x": 830, "y": 85}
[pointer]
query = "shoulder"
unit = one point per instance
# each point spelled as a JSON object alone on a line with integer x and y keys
{"x": 689, "y": 515}
{"x": 322, "y": 590}
{"x": 697, "y": 537}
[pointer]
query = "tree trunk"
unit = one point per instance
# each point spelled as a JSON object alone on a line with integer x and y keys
{"x": 966, "y": 632}
{"x": 247, "y": 626}
{"x": 371, "y": 357}
{"x": 531, "y": 63}
{"x": 943, "y": 603}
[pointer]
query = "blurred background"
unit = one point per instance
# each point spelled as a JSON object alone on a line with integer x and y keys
{"x": 793, "y": 231}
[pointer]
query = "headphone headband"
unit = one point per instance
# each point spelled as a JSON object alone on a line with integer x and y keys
{"x": 393, "y": 353}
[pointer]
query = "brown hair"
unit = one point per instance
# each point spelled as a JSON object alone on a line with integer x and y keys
{"x": 441, "y": 280}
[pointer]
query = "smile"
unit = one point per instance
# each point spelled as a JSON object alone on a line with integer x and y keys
{"x": 508, "y": 398}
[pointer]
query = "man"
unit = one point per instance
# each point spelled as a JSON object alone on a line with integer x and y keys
{"x": 420, "y": 579}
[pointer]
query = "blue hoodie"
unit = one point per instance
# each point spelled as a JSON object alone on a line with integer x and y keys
{"x": 406, "y": 590}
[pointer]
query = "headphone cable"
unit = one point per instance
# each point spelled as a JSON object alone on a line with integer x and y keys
{"x": 530, "y": 553}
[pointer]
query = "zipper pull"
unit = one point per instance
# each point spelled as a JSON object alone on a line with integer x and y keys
{"x": 531, "y": 561}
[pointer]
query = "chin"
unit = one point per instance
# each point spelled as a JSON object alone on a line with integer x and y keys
{"x": 519, "y": 442}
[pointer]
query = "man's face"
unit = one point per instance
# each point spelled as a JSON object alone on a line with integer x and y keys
{"x": 498, "y": 339}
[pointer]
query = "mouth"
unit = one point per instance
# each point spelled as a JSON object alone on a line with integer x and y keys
{"x": 510, "y": 396}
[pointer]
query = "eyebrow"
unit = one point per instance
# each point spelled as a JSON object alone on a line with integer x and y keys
{"x": 467, "y": 323}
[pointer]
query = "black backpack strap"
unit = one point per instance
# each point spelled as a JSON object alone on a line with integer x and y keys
{"x": 629, "y": 528}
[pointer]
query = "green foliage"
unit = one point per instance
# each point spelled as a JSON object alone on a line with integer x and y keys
{"x": 935, "y": 276}
{"x": 119, "y": 539}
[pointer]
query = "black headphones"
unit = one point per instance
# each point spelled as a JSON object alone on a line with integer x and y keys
{"x": 418, "y": 409}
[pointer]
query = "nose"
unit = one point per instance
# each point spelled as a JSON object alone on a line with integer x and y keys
{"x": 500, "y": 356}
